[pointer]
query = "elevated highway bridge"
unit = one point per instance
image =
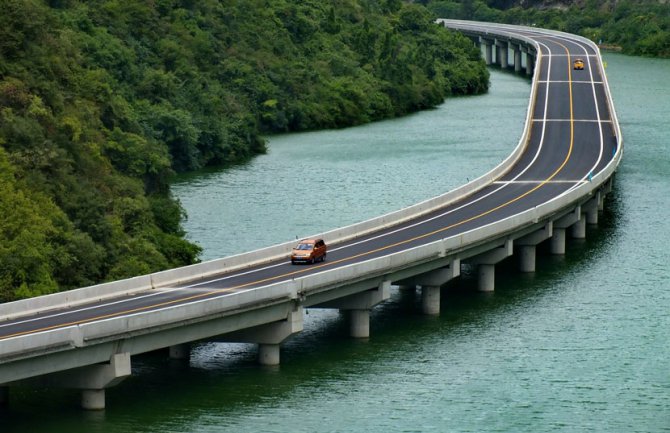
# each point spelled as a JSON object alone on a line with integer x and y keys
{"x": 551, "y": 186}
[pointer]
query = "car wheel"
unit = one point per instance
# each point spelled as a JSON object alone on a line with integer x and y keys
{"x": 323, "y": 258}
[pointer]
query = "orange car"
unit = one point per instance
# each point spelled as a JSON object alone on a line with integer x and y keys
{"x": 309, "y": 251}
{"x": 578, "y": 65}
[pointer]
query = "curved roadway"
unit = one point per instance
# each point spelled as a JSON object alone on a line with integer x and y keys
{"x": 572, "y": 138}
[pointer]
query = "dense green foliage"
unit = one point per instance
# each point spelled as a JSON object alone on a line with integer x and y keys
{"x": 102, "y": 101}
{"x": 639, "y": 27}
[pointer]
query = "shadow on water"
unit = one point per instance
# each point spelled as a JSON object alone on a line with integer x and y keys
{"x": 226, "y": 378}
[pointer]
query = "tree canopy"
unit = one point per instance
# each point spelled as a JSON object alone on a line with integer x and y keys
{"x": 638, "y": 27}
{"x": 102, "y": 101}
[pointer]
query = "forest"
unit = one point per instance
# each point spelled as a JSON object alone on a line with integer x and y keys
{"x": 103, "y": 101}
{"x": 636, "y": 27}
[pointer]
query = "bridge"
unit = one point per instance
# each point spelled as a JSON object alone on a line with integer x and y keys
{"x": 550, "y": 187}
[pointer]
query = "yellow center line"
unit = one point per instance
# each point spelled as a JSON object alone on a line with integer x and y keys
{"x": 330, "y": 262}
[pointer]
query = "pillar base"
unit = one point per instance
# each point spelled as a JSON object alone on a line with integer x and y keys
{"x": 592, "y": 216}
{"x": 93, "y": 399}
{"x": 486, "y": 281}
{"x": 268, "y": 354}
{"x": 360, "y": 323}
{"x": 558, "y": 241}
{"x": 430, "y": 300}
{"x": 578, "y": 230}
{"x": 527, "y": 258}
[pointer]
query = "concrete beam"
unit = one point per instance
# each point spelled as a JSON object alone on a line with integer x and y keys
{"x": 361, "y": 301}
{"x": 269, "y": 333}
{"x": 568, "y": 219}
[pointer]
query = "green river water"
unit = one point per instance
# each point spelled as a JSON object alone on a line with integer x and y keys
{"x": 582, "y": 345}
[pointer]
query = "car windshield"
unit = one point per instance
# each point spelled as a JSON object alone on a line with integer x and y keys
{"x": 304, "y": 247}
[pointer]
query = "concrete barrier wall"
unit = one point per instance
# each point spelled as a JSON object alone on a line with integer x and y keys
{"x": 26, "y": 307}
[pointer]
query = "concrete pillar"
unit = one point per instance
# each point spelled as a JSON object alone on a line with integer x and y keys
{"x": 527, "y": 258}
{"x": 517, "y": 58}
{"x": 488, "y": 51}
{"x": 503, "y": 48}
{"x": 180, "y": 351}
{"x": 431, "y": 281}
{"x": 527, "y": 246}
{"x": 268, "y": 336}
{"x": 486, "y": 282}
{"x": 486, "y": 261}
{"x": 4, "y": 396}
{"x": 601, "y": 201}
{"x": 268, "y": 354}
{"x": 93, "y": 399}
{"x": 591, "y": 207}
{"x": 558, "y": 241}
{"x": 578, "y": 230}
{"x": 430, "y": 300}
{"x": 359, "y": 323}
{"x": 530, "y": 62}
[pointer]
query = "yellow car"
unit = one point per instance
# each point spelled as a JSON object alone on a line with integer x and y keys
{"x": 578, "y": 65}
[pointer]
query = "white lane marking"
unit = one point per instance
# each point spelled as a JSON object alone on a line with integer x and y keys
{"x": 521, "y": 182}
{"x": 574, "y": 82}
{"x": 573, "y": 120}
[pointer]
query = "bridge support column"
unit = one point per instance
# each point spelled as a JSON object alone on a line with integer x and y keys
{"x": 591, "y": 209}
{"x": 358, "y": 307}
{"x": 527, "y": 246}
{"x": 503, "y": 47}
{"x": 486, "y": 265}
{"x": 180, "y": 351}
{"x": 578, "y": 230}
{"x": 527, "y": 258}
{"x": 558, "y": 241}
{"x": 517, "y": 58}
{"x": 269, "y": 336}
{"x": 268, "y": 354}
{"x": 359, "y": 323}
{"x": 488, "y": 50}
{"x": 431, "y": 283}
{"x": 560, "y": 224}
{"x": 601, "y": 201}
{"x": 430, "y": 300}
{"x": 530, "y": 62}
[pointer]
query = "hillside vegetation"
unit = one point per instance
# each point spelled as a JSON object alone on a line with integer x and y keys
{"x": 101, "y": 102}
{"x": 637, "y": 27}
